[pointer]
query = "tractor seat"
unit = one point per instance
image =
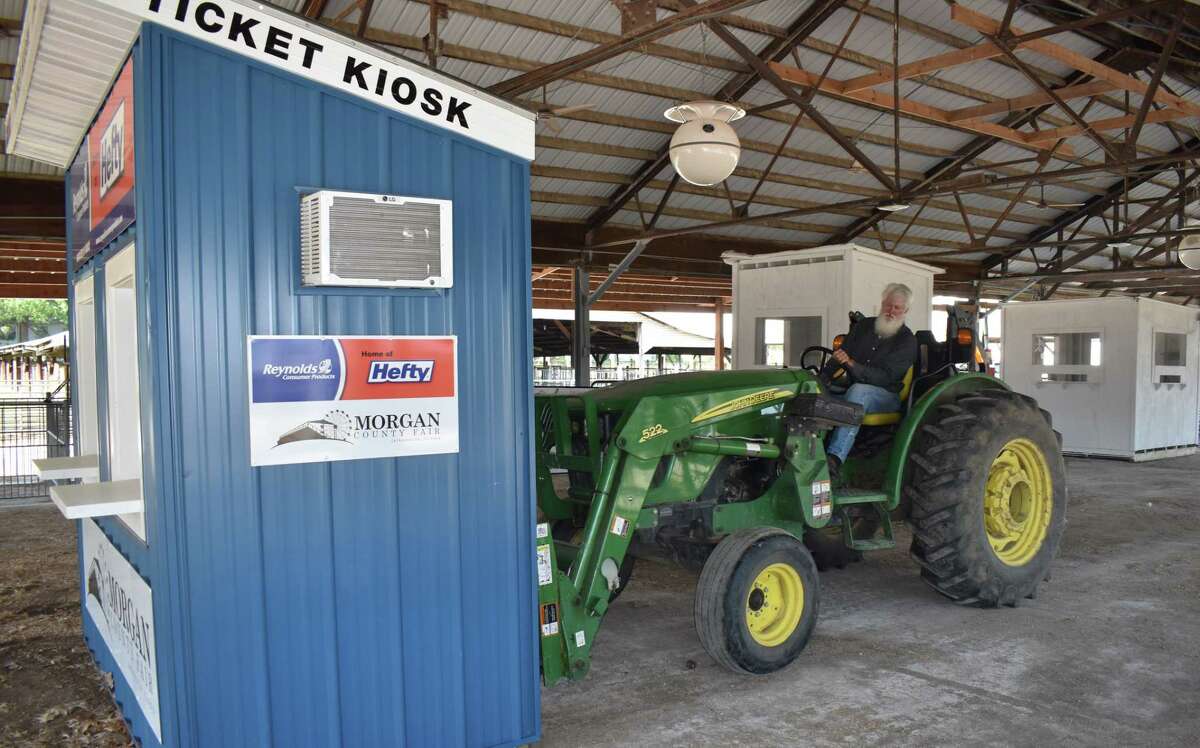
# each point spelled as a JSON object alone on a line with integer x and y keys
{"x": 887, "y": 419}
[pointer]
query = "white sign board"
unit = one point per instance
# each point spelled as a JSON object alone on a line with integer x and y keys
{"x": 274, "y": 38}
{"x": 120, "y": 605}
{"x": 317, "y": 399}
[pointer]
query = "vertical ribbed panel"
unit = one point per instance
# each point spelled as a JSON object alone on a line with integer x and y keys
{"x": 372, "y": 602}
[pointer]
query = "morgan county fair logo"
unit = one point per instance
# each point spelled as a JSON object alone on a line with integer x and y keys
{"x": 302, "y": 372}
{"x": 340, "y": 426}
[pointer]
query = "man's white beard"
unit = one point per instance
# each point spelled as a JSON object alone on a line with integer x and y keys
{"x": 886, "y": 328}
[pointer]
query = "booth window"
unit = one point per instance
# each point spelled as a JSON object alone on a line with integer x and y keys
{"x": 124, "y": 404}
{"x": 1170, "y": 349}
{"x": 86, "y": 441}
{"x": 1170, "y": 357}
{"x": 1067, "y": 356}
{"x": 781, "y": 341}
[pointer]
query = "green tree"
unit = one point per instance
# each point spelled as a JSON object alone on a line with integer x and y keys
{"x": 24, "y": 319}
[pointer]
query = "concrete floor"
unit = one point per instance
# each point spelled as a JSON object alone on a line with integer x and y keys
{"x": 1108, "y": 654}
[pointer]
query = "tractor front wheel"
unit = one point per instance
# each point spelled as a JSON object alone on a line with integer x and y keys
{"x": 988, "y": 496}
{"x": 756, "y": 602}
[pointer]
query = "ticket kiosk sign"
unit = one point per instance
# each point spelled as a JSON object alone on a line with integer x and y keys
{"x": 317, "y": 399}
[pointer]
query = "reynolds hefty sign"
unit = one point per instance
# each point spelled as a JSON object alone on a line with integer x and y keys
{"x": 315, "y": 399}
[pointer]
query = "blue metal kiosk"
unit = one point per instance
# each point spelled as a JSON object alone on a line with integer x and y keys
{"x": 371, "y": 580}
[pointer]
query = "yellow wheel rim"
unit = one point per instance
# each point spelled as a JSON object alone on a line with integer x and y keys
{"x": 1017, "y": 502}
{"x": 774, "y": 605}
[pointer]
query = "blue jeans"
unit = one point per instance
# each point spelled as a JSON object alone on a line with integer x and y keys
{"x": 874, "y": 400}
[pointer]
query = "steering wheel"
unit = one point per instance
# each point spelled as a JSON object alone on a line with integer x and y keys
{"x": 826, "y": 354}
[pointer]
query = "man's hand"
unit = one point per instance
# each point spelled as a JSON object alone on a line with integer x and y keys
{"x": 843, "y": 358}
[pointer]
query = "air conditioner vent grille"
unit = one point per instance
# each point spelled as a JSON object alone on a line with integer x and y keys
{"x": 359, "y": 239}
{"x": 385, "y": 241}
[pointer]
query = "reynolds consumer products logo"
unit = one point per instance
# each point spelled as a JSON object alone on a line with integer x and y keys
{"x": 390, "y": 372}
{"x": 322, "y": 369}
{"x": 295, "y": 370}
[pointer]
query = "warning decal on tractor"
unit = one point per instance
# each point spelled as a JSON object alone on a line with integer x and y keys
{"x": 620, "y": 526}
{"x": 549, "y": 619}
{"x": 822, "y": 499}
{"x": 318, "y": 399}
{"x": 544, "y": 568}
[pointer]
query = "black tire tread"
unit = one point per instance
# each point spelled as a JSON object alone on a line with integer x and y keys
{"x": 940, "y": 467}
{"x": 710, "y": 590}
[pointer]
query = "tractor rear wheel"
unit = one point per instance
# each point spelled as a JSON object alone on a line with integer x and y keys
{"x": 988, "y": 496}
{"x": 756, "y": 602}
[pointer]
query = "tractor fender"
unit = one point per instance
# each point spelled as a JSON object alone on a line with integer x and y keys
{"x": 945, "y": 391}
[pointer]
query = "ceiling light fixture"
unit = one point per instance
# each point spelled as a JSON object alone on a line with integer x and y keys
{"x": 893, "y": 206}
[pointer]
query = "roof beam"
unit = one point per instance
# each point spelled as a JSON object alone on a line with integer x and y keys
{"x": 951, "y": 167}
{"x": 1166, "y": 205}
{"x": 913, "y": 109}
{"x": 22, "y": 291}
{"x": 770, "y": 73}
{"x": 1145, "y": 39}
{"x": 659, "y": 185}
{"x": 545, "y": 74}
{"x": 1094, "y": 206}
{"x": 313, "y": 8}
{"x": 1029, "y": 101}
{"x": 1109, "y": 123}
{"x": 987, "y": 25}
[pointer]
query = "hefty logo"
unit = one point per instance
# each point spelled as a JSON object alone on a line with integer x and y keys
{"x": 112, "y": 151}
{"x": 389, "y": 372}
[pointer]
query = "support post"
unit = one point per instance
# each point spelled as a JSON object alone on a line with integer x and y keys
{"x": 581, "y": 338}
{"x": 719, "y": 337}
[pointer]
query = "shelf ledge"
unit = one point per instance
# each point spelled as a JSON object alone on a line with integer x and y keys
{"x": 98, "y": 499}
{"x": 85, "y": 467}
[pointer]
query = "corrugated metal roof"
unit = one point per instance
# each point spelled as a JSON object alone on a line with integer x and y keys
{"x": 506, "y": 38}
{"x": 70, "y": 50}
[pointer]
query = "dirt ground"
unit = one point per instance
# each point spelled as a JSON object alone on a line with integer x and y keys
{"x": 51, "y": 693}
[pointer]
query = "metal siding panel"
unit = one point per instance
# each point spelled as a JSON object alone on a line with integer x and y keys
{"x": 343, "y": 603}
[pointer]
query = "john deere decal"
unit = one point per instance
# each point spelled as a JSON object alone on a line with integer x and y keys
{"x": 315, "y": 399}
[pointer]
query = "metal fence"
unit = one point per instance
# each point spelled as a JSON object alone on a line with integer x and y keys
{"x": 564, "y": 376}
{"x": 31, "y": 429}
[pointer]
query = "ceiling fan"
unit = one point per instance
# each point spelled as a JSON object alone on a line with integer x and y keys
{"x": 1045, "y": 205}
{"x": 548, "y": 114}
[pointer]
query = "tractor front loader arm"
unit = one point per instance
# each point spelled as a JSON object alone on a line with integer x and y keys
{"x": 581, "y": 595}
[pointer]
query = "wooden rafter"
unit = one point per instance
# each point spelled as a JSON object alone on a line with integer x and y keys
{"x": 1109, "y": 123}
{"x": 913, "y": 109}
{"x": 313, "y": 8}
{"x": 987, "y": 25}
{"x": 1029, "y": 101}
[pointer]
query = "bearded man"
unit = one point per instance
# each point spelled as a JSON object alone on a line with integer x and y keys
{"x": 873, "y": 360}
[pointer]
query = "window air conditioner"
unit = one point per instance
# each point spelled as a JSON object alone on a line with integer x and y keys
{"x": 379, "y": 241}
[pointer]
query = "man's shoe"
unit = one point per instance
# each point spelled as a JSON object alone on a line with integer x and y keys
{"x": 835, "y": 466}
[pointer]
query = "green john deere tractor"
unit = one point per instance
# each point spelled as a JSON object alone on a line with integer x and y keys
{"x": 726, "y": 472}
